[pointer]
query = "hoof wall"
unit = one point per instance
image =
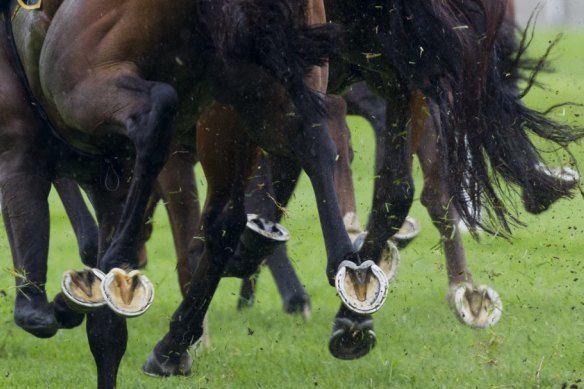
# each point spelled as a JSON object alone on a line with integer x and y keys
{"x": 154, "y": 368}
{"x": 362, "y": 288}
{"x": 128, "y": 294}
{"x": 351, "y": 340}
{"x": 82, "y": 290}
{"x": 477, "y": 307}
{"x": 408, "y": 231}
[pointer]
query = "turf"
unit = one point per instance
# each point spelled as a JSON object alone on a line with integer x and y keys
{"x": 539, "y": 342}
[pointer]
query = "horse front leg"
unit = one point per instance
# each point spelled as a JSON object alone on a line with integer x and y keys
{"x": 81, "y": 220}
{"x": 222, "y": 222}
{"x": 26, "y": 218}
{"x": 394, "y": 187}
{"x": 24, "y": 189}
{"x": 269, "y": 190}
{"x": 144, "y": 111}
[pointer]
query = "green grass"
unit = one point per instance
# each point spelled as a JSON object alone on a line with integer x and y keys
{"x": 539, "y": 342}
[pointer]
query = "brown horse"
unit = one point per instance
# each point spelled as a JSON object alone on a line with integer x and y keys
{"x": 386, "y": 193}
{"x": 134, "y": 79}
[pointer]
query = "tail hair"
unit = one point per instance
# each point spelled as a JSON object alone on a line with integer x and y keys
{"x": 275, "y": 35}
{"x": 457, "y": 53}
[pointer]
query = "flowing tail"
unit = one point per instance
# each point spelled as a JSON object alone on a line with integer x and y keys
{"x": 275, "y": 35}
{"x": 456, "y": 53}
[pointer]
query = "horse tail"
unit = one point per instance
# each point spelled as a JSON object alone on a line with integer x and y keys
{"x": 275, "y": 35}
{"x": 454, "y": 51}
{"x": 508, "y": 144}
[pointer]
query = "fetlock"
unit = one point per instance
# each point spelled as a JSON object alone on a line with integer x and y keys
{"x": 33, "y": 313}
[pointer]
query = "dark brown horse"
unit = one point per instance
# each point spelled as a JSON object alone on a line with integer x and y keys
{"x": 397, "y": 170}
{"x": 134, "y": 79}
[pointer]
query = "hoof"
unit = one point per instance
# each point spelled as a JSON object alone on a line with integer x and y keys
{"x": 299, "y": 304}
{"x": 66, "y": 317}
{"x": 477, "y": 307}
{"x": 127, "y": 294}
{"x": 407, "y": 232}
{"x": 351, "y": 340}
{"x": 39, "y": 322}
{"x": 363, "y": 289}
{"x": 259, "y": 239}
{"x": 155, "y": 368}
{"x": 389, "y": 258}
{"x": 82, "y": 290}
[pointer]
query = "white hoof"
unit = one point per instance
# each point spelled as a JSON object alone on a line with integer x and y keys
{"x": 477, "y": 307}
{"x": 363, "y": 289}
{"x": 409, "y": 229}
{"x": 389, "y": 261}
{"x": 127, "y": 294}
{"x": 82, "y": 290}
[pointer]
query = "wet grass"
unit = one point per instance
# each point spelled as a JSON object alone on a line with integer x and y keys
{"x": 539, "y": 342}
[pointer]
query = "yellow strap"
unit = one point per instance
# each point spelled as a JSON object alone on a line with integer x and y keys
{"x": 26, "y": 6}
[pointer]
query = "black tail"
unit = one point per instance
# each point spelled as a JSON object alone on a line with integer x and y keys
{"x": 275, "y": 35}
{"x": 458, "y": 54}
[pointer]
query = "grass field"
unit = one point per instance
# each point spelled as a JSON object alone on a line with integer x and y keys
{"x": 539, "y": 342}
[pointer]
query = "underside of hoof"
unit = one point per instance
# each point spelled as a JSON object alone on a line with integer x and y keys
{"x": 477, "y": 307}
{"x": 259, "y": 239}
{"x": 128, "y": 294}
{"x": 166, "y": 367}
{"x": 351, "y": 339}
{"x": 362, "y": 288}
{"x": 407, "y": 232}
{"x": 82, "y": 289}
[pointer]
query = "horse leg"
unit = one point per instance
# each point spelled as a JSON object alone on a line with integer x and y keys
{"x": 394, "y": 187}
{"x": 177, "y": 185}
{"x": 270, "y": 190}
{"x": 144, "y": 111}
{"x": 476, "y": 306}
{"x": 24, "y": 188}
{"x": 106, "y": 331}
{"x": 26, "y": 217}
{"x": 223, "y": 221}
{"x": 147, "y": 228}
{"x": 363, "y": 102}
{"x": 81, "y": 220}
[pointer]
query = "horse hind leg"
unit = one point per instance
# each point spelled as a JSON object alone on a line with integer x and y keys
{"x": 475, "y": 306}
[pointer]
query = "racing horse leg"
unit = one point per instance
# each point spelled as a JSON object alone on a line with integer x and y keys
{"x": 82, "y": 221}
{"x": 272, "y": 188}
{"x": 25, "y": 180}
{"x": 227, "y": 158}
{"x": 475, "y": 306}
{"x": 269, "y": 190}
{"x": 392, "y": 198}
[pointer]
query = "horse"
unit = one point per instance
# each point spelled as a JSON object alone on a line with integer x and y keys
{"x": 349, "y": 330}
{"x": 341, "y": 341}
{"x": 28, "y": 167}
{"x": 137, "y": 76}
